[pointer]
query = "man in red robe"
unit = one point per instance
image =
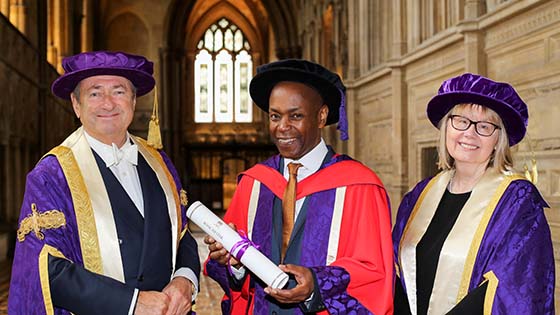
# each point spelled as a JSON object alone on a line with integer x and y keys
{"x": 338, "y": 252}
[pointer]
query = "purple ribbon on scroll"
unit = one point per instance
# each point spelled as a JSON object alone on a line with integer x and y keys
{"x": 238, "y": 249}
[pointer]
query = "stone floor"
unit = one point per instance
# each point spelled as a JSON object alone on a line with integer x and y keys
{"x": 208, "y": 301}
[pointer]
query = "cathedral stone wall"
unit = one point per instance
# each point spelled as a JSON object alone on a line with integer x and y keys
{"x": 513, "y": 41}
{"x": 28, "y": 125}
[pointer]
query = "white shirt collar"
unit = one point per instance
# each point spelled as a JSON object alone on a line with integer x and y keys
{"x": 311, "y": 161}
{"x": 110, "y": 153}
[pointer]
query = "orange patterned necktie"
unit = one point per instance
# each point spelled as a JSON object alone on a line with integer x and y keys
{"x": 289, "y": 206}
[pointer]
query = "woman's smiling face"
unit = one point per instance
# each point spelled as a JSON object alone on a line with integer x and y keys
{"x": 469, "y": 147}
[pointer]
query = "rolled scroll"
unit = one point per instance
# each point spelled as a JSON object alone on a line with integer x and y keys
{"x": 238, "y": 246}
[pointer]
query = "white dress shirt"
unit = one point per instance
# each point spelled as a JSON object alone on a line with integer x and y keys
{"x": 122, "y": 162}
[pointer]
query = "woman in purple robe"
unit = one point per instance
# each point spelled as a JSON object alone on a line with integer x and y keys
{"x": 474, "y": 238}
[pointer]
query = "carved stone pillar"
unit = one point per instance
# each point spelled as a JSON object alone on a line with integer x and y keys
{"x": 399, "y": 150}
{"x": 399, "y": 31}
{"x": 475, "y": 58}
{"x": 5, "y": 8}
{"x": 12, "y": 14}
{"x": 87, "y": 25}
{"x": 353, "y": 41}
{"x": 171, "y": 62}
{"x": 474, "y": 9}
{"x": 22, "y": 17}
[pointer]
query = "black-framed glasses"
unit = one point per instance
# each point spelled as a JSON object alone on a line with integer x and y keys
{"x": 483, "y": 128}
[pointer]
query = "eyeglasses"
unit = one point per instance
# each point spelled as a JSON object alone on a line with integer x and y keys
{"x": 483, "y": 128}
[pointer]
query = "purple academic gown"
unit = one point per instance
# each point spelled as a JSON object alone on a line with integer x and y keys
{"x": 516, "y": 246}
{"x": 47, "y": 188}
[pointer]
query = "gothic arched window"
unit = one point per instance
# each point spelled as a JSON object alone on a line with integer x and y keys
{"x": 223, "y": 68}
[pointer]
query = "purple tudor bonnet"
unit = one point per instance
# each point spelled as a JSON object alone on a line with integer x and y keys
{"x": 472, "y": 88}
{"x": 135, "y": 68}
{"x": 327, "y": 83}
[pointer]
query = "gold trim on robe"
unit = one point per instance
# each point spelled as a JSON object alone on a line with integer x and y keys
{"x": 461, "y": 245}
{"x": 490, "y": 291}
{"x": 477, "y": 239}
{"x": 83, "y": 209}
{"x": 99, "y": 213}
{"x": 44, "y": 275}
{"x": 155, "y": 161}
{"x": 94, "y": 214}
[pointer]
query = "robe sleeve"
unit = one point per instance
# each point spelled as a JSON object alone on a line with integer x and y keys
{"x": 520, "y": 261}
{"x": 361, "y": 278}
{"x": 33, "y": 274}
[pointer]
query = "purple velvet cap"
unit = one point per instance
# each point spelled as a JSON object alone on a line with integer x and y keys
{"x": 327, "y": 83}
{"x": 472, "y": 88}
{"x": 135, "y": 68}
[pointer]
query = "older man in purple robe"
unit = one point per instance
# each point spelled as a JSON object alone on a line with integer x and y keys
{"x": 102, "y": 228}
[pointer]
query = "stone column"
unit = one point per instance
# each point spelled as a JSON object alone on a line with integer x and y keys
{"x": 172, "y": 66}
{"x": 22, "y": 17}
{"x": 5, "y": 8}
{"x": 363, "y": 36}
{"x": 475, "y": 57}
{"x": 399, "y": 31}
{"x": 399, "y": 150}
{"x": 87, "y": 26}
{"x": 413, "y": 17}
{"x": 353, "y": 40}
{"x": 473, "y": 9}
{"x": 59, "y": 33}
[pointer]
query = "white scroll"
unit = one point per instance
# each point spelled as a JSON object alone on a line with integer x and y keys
{"x": 251, "y": 258}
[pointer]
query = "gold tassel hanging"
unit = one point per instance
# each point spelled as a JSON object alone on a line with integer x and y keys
{"x": 533, "y": 173}
{"x": 154, "y": 133}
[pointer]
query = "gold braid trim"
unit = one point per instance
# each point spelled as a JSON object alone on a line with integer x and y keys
{"x": 184, "y": 203}
{"x": 415, "y": 211}
{"x": 44, "y": 275}
{"x": 184, "y": 198}
{"x": 82, "y": 207}
{"x": 38, "y": 221}
{"x": 481, "y": 230}
{"x": 159, "y": 158}
{"x": 490, "y": 291}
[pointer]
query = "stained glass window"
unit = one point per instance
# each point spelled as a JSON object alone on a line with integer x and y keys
{"x": 223, "y": 69}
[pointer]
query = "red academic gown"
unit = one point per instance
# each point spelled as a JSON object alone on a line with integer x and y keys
{"x": 364, "y": 247}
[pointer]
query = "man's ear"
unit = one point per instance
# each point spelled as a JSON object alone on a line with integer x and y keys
{"x": 75, "y": 104}
{"x": 323, "y": 114}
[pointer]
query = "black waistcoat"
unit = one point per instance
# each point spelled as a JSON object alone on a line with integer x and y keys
{"x": 145, "y": 242}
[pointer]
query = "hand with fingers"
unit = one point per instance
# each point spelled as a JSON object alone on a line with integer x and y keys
{"x": 218, "y": 253}
{"x": 179, "y": 291}
{"x": 151, "y": 302}
{"x": 301, "y": 292}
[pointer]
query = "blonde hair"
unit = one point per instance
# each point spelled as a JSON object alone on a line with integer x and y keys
{"x": 500, "y": 159}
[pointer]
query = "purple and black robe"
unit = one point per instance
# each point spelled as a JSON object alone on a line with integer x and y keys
{"x": 501, "y": 238}
{"x": 67, "y": 213}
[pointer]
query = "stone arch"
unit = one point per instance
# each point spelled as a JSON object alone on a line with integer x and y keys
{"x": 177, "y": 42}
